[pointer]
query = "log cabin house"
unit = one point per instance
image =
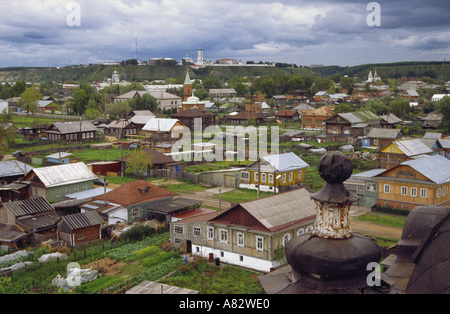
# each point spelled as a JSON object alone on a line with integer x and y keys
{"x": 248, "y": 234}
{"x": 423, "y": 181}
{"x": 80, "y": 228}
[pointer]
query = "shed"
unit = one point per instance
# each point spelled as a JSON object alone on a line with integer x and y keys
{"x": 80, "y": 228}
{"x": 59, "y": 158}
{"x": 151, "y": 287}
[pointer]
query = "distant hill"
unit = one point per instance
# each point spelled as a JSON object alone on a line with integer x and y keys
{"x": 433, "y": 69}
{"x": 129, "y": 73}
{"x": 440, "y": 70}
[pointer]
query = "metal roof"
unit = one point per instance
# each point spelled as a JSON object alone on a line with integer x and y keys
{"x": 31, "y": 206}
{"x": 412, "y": 147}
{"x": 160, "y": 124}
{"x": 64, "y": 174}
{"x": 13, "y": 168}
{"x": 74, "y": 126}
{"x": 279, "y": 209}
{"x": 384, "y": 133}
{"x": 83, "y": 220}
{"x": 88, "y": 193}
{"x": 170, "y": 206}
{"x": 285, "y": 162}
{"x": 436, "y": 168}
{"x": 59, "y": 155}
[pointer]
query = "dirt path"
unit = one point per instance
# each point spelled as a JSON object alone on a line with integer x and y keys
{"x": 369, "y": 228}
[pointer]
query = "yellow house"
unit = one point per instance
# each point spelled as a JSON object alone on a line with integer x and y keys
{"x": 419, "y": 182}
{"x": 400, "y": 151}
{"x": 273, "y": 171}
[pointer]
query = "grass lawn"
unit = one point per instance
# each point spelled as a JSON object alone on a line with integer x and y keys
{"x": 242, "y": 195}
{"x": 384, "y": 219}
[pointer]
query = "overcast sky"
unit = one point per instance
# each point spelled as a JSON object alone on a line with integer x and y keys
{"x": 304, "y": 32}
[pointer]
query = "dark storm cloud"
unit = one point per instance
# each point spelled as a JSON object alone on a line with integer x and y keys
{"x": 302, "y": 31}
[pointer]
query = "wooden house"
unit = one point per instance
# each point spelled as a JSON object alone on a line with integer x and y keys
{"x": 71, "y": 131}
{"x": 122, "y": 128}
{"x": 54, "y": 182}
{"x": 161, "y": 129}
{"x": 390, "y": 121}
{"x": 249, "y": 234}
{"x": 351, "y": 124}
{"x": 314, "y": 119}
{"x": 13, "y": 170}
{"x": 189, "y": 116}
{"x": 432, "y": 121}
{"x": 273, "y": 171}
{"x": 47, "y": 106}
{"x": 287, "y": 115}
{"x": 380, "y": 137}
{"x": 80, "y": 228}
{"x": 423, "y": 181}
{"x": 35, "y": 217}
{"x": 400, "y": 151}
{"x": 244, "y": 117}
{"x": 160, "y": 160}
{"x": 129, "y": 202}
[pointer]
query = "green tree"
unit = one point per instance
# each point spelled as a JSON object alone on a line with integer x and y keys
{"x": 295, "y": 82}
{"x": 377, "y": 106}
{"x": 138, "y": 163}
{"x": 400, "y": 107}
{"x": 443, "y": 107}
{"x": 30, "y": 98}
{"x": 7, "y": 134}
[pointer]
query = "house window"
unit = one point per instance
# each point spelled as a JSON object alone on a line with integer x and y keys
{"x": 67, "y": 190}
{"x": 291, "y": 177}
{"x": 197, "y": 231}
{"x": 439, "y": 192}
{"x": 210, "y": 235}
{"x": 135, "y": 213}
{"x": 256, "y": 176}
{"x": 245, "y": 175}
{"x": 80, "y": 237}
{"x": 241, "y": 258}
{"x": 58, "y": 193}
{"x": 285, "y": 239}
{"x": 84, "y": 188}
{"x": 263, "y": 177}
{"x": 387, "y": 188}
{"x": 300, "y": 175}
{"x": 178, "y": 229}
{"x": 36, "y": 192}
{"x": 371, "y": 187}
{"x": 423, "y": 193}
{"x": 259, "y": 243}
{"x": 240, "y": 239}
{"x": 284, "y": 178}
{"x": 404, "y": 190}
{"x": 444, "y": 191}
{"x": 414, "y": 192}
{"x": 223, "y": 236}
{"x": 270, "y": 178}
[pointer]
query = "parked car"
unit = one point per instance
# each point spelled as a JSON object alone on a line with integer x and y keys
{"x": 101, "y": 181}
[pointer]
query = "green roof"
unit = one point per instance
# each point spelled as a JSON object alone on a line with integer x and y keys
{"x": 187, "y": 80}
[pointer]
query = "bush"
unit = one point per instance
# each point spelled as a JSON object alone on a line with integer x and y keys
{"x": 391, "y": 210}
{"x": 137, "y": 233}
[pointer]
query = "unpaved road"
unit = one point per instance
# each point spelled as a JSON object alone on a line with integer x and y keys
{"x": 369, "y": 228}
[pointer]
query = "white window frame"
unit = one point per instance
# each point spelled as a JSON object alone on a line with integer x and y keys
{"x": 270, "y": 178}
{"x": 178, "y": 229}
{"x": 263, "y": 177}
{"x": 256, "y": 176}
{"x": 300, "y": 175}
{"x": 414, "y": 192}
{"x": 404, "y": 190}
{"x": 284, "y": 178}
{"x": 259, "y": 243}
{"x": 58, "y": 193}
{"x": 387, "y": 189}
{"x": 223, "y": 235}
{"x": 444, "y": 191}
{"x": 210, "y": 234}
{"x": 247, "y": 175}
{"x": 291, "y": 176}
{"x": 135, "y": 213}
{"x": 197, "y": 232}
{"x": 285, "y": 239}
{"x": 76, "y": 189}
{"x": 439, "y": 193}
{"x": 240, "y": 239}
{"x": 423, "y": 193}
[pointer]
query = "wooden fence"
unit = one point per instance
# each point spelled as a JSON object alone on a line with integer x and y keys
{"x": 173, "y": 175}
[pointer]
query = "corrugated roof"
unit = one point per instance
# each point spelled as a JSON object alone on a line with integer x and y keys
{"x": 285, "y": 162}
{"x": 160, "y": 124}
{"x": 64, "y": 174}
{"x": 436, "y": 168}
{"x": 13, "y": 168}
{"x": 83, "y": 220}
{"x": 273, "y": 211}
{"x": 31, "y": 206}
